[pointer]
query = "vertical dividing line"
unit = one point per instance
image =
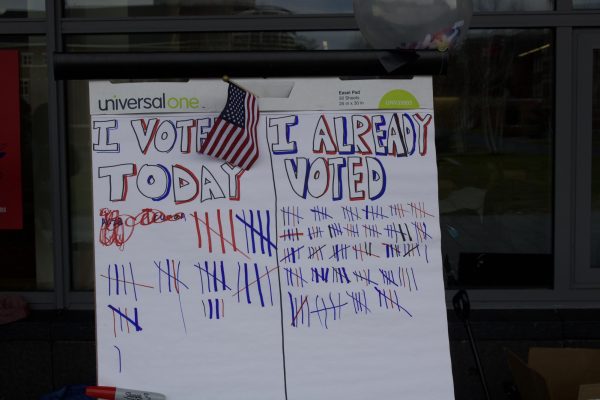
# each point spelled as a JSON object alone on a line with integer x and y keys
{"x": 57, "y": 144}
{"x": 565, "y": 189}
{"x": 276, "y": 207}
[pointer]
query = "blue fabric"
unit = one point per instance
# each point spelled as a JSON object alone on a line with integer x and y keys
{"x": 71, "y": 392}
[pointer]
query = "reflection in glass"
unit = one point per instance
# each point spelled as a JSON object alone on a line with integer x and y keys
{"x": 590, "y": 4}
{"x": 132, "y": 8}
{"x": 80, "y": 186}
{"x": 595, "y": 256}
{"x": 79, "y": 120}
{"x": 222, "y": 41}
{"x": 22, "y": 8}
{"x": 494, "y": 121}
{"x": 82, "y": 8}
{"x": 494, "y": 113}
{"x": 27, "y": 253}
{"x": 512, "y": 5}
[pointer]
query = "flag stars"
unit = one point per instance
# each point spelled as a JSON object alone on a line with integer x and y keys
{"x": 233, "y": 137}
{"x": 234, "y": 110}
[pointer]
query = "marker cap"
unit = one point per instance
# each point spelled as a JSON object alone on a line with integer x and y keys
{"x": 101, "y": 392}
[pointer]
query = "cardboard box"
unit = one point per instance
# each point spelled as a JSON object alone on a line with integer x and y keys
{"x": 557, "y": 373}
{"x": 589, "y": 392}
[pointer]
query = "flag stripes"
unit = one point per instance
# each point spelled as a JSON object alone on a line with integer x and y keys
{"x": 233, "y": 137}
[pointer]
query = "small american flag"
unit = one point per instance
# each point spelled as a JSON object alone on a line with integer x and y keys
{"x": 233, "y": 136}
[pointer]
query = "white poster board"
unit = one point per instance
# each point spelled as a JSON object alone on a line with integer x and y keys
{"x": 315, "y": 275}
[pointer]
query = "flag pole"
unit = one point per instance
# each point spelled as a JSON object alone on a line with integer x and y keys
{"x": 226, "y": 78}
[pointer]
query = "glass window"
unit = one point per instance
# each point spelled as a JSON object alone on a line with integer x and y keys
{"x": 22, "y": 8}
{"x": 495, "y": 118}
{"x": 512, "y": 5}
{"x": 80, "y": 185}
{"x": 27, "y": 252}
{"x": 132, "y": 8}
{"x": 494, "y": 123}
{"x": 589, "y": 4}
{"x": 79, "y": 120}
{"x": 223, "y": 41}
{"x": 595, "y": 256}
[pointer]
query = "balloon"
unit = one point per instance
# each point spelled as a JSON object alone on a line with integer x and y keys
{"x": 413, "y": 24}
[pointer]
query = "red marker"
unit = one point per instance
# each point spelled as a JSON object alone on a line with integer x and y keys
{"x": 113, "y": 393}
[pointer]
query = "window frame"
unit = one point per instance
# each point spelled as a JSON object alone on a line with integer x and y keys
{"x": 564, "y": 20}
{"x": 586, "y": 41}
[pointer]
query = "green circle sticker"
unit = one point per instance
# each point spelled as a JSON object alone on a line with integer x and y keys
{"x": 398, "y": 99}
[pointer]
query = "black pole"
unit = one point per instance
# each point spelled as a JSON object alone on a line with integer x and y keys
{"x": 462, "y": 308}
{"x": 344, "y": 63}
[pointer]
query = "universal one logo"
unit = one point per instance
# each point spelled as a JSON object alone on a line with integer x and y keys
{"x": 145, "y": 103}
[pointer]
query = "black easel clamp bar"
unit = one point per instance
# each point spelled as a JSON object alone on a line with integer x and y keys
{"x": 360, "y": 63}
